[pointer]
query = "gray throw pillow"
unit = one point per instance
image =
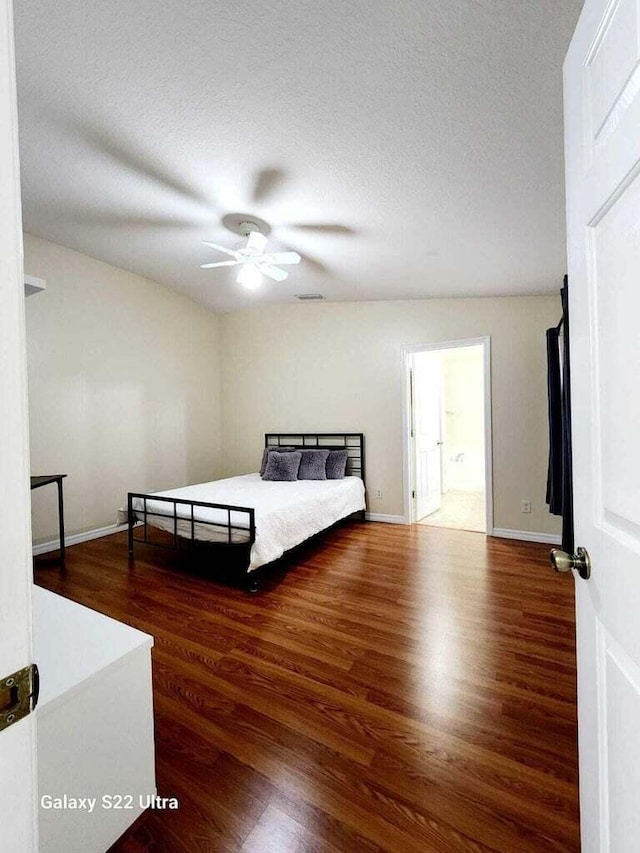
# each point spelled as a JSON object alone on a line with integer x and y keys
{"x": 313, "y": 465}
{"x": 270, "y": 449}
{"x": 282, "y": 466}
{"x": 336, "y": 464}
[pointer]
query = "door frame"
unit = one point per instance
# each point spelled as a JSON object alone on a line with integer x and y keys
{"x": 408, "y": 455}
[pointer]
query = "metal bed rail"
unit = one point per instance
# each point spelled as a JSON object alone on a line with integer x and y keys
{"x": 133, "y": 516}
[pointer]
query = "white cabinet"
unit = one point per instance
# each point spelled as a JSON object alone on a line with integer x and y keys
{"x": 94, "y": 725}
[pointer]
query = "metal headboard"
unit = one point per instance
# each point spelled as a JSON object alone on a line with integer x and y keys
{"x": 353, "y": 441}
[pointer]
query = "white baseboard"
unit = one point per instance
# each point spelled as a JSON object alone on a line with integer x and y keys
{"x": 386, "y": 519}
{"x": 76, "y": 538}
{"x": 500, "y": 532}
{"x": 527, "y": 536}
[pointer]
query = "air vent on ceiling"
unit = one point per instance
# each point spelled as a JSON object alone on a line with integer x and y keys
{"x": 309, "y": 297}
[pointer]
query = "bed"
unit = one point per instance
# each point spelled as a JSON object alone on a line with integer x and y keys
{"x": 245, "y": 523}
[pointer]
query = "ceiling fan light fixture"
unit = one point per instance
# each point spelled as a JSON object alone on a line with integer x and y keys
{"x": 254, "y": 262}
{"x": 249, "y": 277}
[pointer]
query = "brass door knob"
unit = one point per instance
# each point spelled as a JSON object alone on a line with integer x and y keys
{"x": 563, "y": 562}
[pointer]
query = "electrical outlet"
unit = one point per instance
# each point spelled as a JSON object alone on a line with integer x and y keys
{"x": 378, "y": 493}
{"x": 525, "y": 506}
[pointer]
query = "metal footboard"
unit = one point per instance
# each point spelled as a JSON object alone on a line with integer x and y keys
{"x": 143, "y": 514}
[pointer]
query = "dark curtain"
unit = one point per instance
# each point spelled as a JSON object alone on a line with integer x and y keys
{"x": 554, "y": 392}
{"x": 560, "y": 473}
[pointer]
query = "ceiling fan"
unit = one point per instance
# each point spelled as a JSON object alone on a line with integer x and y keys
{"x": 252, "y": 259}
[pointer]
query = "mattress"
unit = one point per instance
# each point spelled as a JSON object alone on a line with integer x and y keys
{"x": 286, "y": 513}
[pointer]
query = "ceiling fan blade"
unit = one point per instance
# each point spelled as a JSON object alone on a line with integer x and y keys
{"x": 256, "y": 242}
{"x": 114, "y": 219}
{"x": 309, "y": 260}
{"x": 283, "y": 258}
{"x": 221, "y": 248}
{"x": 266, "y": 183}
{"x": 322, "y": 227}
{"x": 219, "y": 264}
{"x": 273, "y": 272}
{"x": 102, "y": 139}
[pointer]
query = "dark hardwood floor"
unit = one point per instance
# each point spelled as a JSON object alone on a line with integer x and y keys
{"x": 399, "y": 689}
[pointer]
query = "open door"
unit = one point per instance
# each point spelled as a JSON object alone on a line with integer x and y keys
{"x": 602, "y": 132}
{"x": 427, "y": 432}
{"x": 18, "y": 808}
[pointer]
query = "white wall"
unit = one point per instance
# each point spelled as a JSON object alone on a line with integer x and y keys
{"x": 123, "y": 387}
{"x": 338, "y": 366}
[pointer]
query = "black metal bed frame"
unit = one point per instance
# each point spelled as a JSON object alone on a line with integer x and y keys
{"x": 236, "y": 552}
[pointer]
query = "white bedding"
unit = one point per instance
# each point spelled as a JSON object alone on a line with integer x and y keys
{"x": 286, "y": 513}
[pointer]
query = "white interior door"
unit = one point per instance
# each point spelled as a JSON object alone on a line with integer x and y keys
{"x": 427, "y": 397}
{"x": 602, "y": 130}
{"x": 18, "y": 813}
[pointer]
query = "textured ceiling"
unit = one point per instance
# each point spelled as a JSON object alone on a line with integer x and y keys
{"x": 425, "y": 136}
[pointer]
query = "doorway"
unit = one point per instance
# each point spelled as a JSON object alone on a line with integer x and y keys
{"x": 448, "y": 435}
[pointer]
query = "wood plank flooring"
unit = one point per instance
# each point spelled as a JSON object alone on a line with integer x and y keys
{"x": 398, "y": 689}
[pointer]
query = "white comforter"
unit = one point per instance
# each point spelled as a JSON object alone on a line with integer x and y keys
{"x": 286, "y": 513}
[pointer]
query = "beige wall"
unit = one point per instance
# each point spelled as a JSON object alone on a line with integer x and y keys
{"x": 338, "y": 366}
{"x": 123, "y": 387}
{"x": 132, "y": 386}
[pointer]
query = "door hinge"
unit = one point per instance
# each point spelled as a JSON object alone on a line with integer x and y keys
{"x": 18, "y": 695}
{"x": 413, "y": 494}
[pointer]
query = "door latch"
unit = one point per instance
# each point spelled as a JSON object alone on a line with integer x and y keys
{"x": 18, "y": 695}
{"x": 580, "y": 561}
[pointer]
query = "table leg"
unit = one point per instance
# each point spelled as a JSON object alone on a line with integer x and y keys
{"x": 61, "y": 521}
